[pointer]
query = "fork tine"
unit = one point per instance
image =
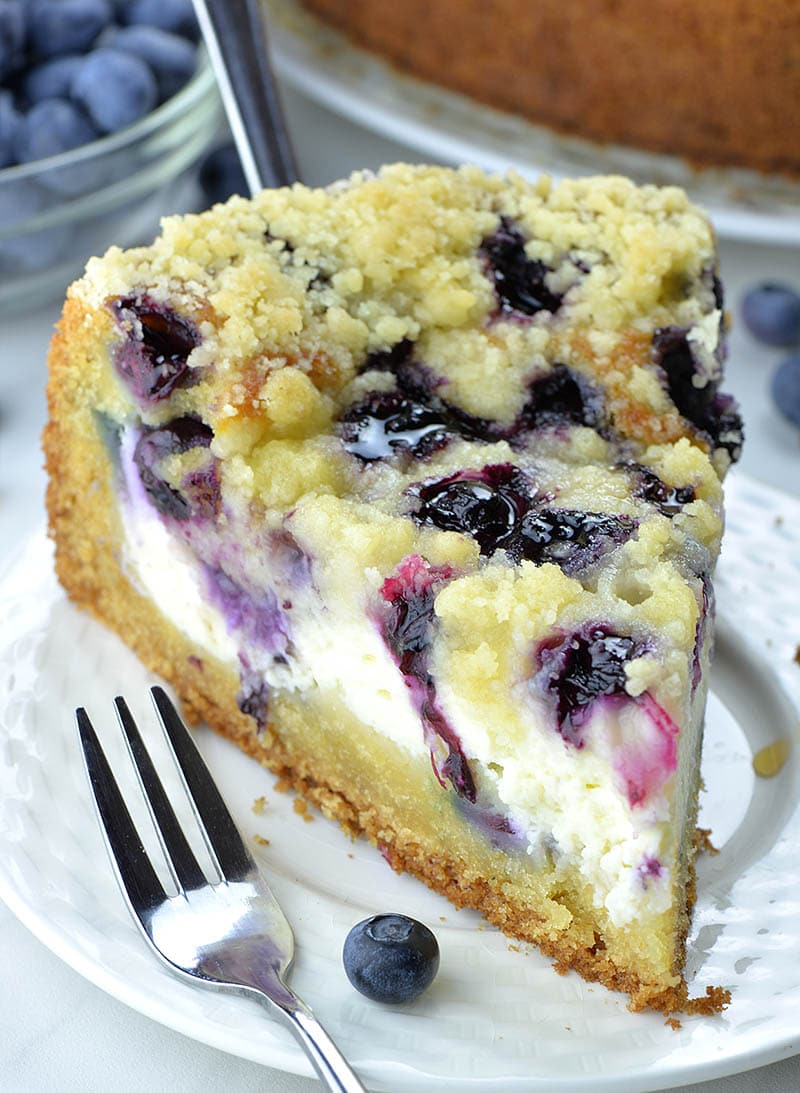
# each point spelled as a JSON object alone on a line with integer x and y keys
{"x": 224, "y": 842}
{"x": 183, "y": 865}
{"x": 131, "y": 863}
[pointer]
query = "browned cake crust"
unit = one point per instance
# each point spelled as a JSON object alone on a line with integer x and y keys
{"x": 717, "y": 83}
{"x": 83, "y": 522}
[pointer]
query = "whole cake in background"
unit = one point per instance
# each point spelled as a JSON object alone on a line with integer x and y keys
{"x": 717, "y": 83}
{"x": 412, "y": 487}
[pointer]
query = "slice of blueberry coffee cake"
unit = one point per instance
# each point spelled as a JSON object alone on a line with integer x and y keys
{"x": 411, "y": 486}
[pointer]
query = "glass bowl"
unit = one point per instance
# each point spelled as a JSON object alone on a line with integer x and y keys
{"x": 57, "y": 212}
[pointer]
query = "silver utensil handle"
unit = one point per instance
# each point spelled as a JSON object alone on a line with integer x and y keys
{"x": 325, "y": 1056}
{"x": 235, "y": 34}
{"x": 327, "y": 1060}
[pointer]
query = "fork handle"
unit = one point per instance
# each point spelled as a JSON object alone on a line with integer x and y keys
{"x": 235, "y": 34}
{"x": 327, "y": 1060}
{"x": 329, "y": 1063}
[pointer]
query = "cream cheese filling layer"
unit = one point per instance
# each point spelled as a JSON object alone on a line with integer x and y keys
{"x": 329, "y": 650}
{"x": 562, "y": 800}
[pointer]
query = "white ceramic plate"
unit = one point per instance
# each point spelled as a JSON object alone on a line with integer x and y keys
{"x": 452, "y": 128}
{"x": 495, "y": 1019}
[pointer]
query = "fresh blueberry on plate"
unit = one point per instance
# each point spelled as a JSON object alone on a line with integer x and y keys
{"x": 391, "y": 958}
{"x": 786, "y": 388}
{"x": 771, "y": 312}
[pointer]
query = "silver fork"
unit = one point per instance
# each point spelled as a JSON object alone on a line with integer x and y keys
{"x": 228, "y": 933}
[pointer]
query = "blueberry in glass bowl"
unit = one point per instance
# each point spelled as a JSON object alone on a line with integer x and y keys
{"x": 102, "y": 129}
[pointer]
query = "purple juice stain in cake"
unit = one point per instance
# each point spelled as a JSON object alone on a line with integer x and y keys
{"x": 649, "y": 868}
{"x": 153, "y": 358}
{"x": 644, "y": 764}
{"x": 289, "y": 559}
{"x": 706, "y": 614}
{"x": 497, "y": 828}
{"x": 201, "y": 488}
{"x": 199, "y": 495}
{"x": 498, "y": 506}
{"x": 406, "y": 627}
{"x": 669, "y": 500}
{"x": 255, "y": 616}
{"x": 520, "y": 282}
{"x": 695, "y": 392}
{"x": 253, "y": 695}
{"x": 257, "y": 619}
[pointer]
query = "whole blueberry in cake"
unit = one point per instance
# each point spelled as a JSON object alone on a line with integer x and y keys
{"x": 415, "y": 492}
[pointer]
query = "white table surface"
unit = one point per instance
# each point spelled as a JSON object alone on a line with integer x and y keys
{"x": 60, "y": 1034}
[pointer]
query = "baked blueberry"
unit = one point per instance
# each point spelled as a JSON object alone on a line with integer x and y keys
{"x": 199, "y": 492}
{"x": 486, "y": 504}
{"x": 391, "y": 958}
{"x": 669, "y": 500}
{"x": 696, "y": 395}
{"x": 386, "y": 423}
{"x": 389, "y": 360}
{"x": 410, "y": 594}
{"x": 498, "y": 507}
{"x": 569, "y": 538}
{"x": 580, "y": 668}
{"x": 771, "y": 312}
{"x": 519, "y": 281}
{"x": 153, "y": 359}
{"x": 562, "y": 397}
